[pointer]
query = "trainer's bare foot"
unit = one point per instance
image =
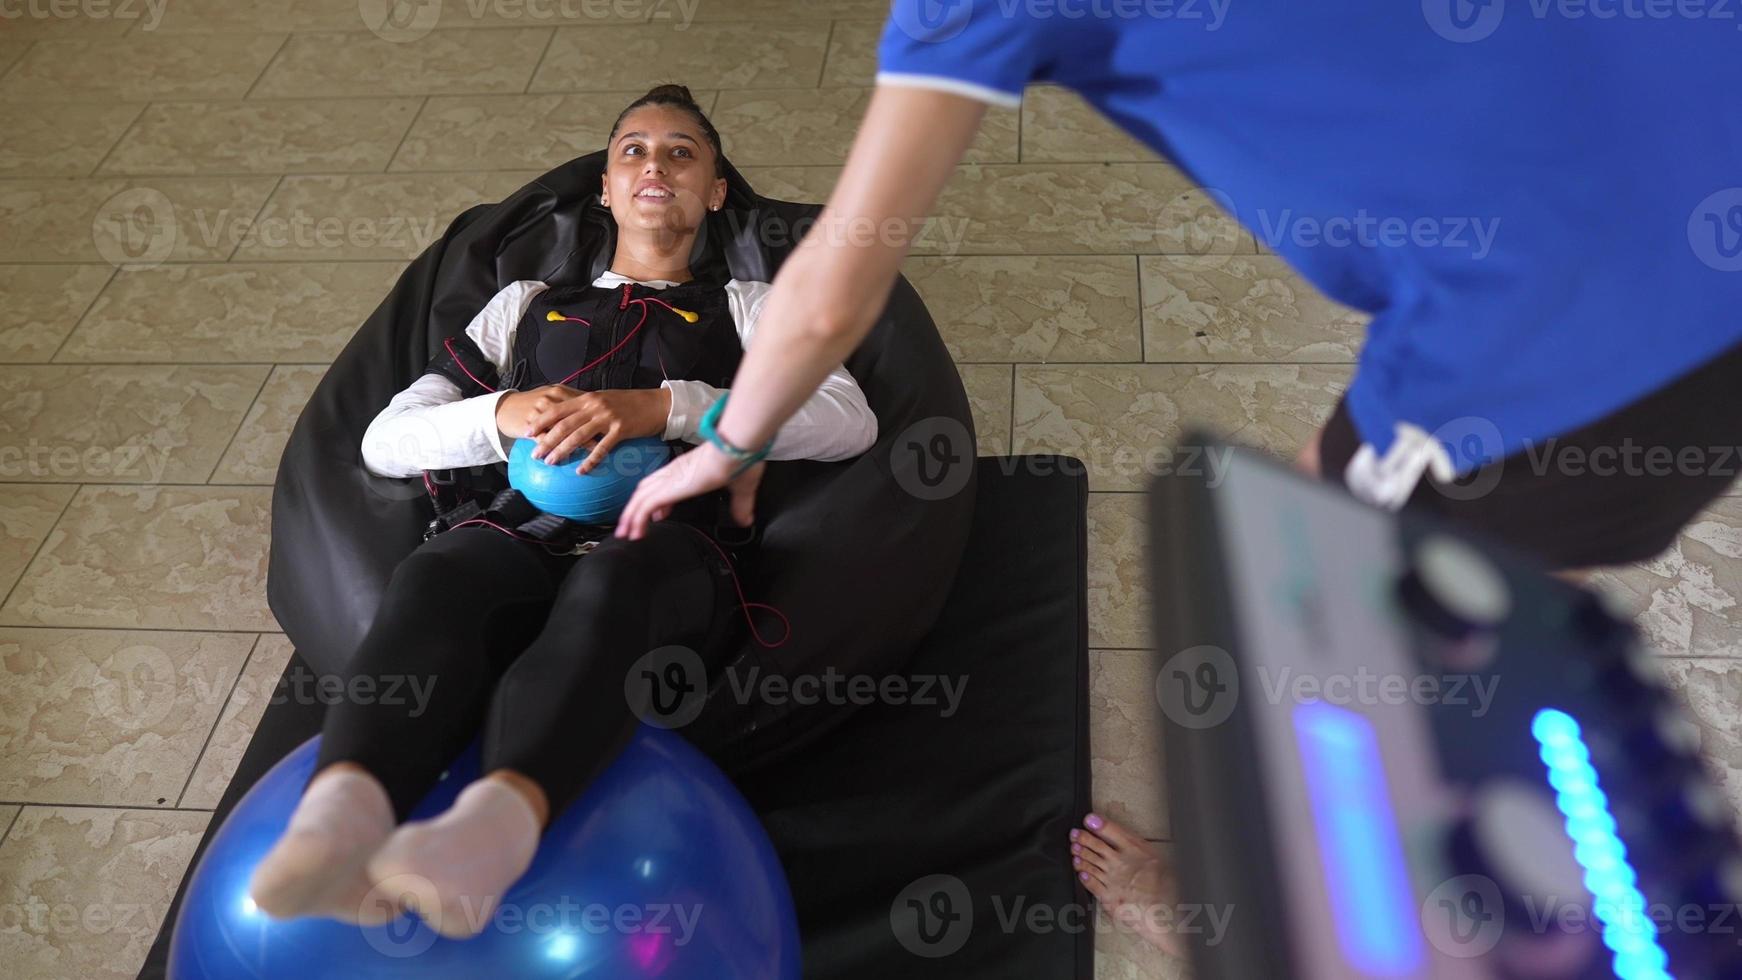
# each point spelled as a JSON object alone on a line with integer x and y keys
{"x": 319, "y": 866}
{"x": 1130, "y": 880}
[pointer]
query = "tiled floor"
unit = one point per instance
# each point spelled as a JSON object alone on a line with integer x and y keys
{"x": 1094, "y": 298}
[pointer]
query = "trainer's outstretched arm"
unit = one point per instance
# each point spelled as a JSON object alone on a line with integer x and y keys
{"x": 830, "y": 290}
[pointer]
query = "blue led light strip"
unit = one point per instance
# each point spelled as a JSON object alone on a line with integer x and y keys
{"x": 1371, "y": 898}
{"x": 1627, "y": 930}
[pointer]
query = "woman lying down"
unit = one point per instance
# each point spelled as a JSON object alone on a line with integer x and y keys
{"x": 526, "y": 647}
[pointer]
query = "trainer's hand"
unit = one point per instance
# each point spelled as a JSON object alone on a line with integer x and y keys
{"x": 692, "y": 474}
{"x": 562, "y": 419}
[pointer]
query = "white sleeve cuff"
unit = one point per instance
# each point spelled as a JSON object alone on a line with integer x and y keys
{"x": 689, "y": 402}
{"x": 954, "y": 86}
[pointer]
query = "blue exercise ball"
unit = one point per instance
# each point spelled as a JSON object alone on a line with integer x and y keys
{"x": 596, "y": 497}
{"x": 660, "y": 869}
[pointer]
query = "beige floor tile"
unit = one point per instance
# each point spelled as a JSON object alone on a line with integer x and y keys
{"x": 42, "y": 21}
{"x": 1241, "y": 308}
{"x": 989, "y": 400}
{"x": 8, "y": 814}
{"x": 27, "y": 512}
{"x": 441, "y": 62}
{"x": 229, "y": 313}
{"x": 140, "y": 68}
{"x": 241, "y": 16}
{"x": 1118, "y": 577}
{"x": 51, "y": 140}
{"x": 789, "y": 10}
{"x": 1059, "y": 127}
{"x": 10, "y": 52}
{"x": 815, "y": 127}
{"x": 491, "y": 132}
{"x": 152, "y": 558}
{"x": 733, "y": 55}
{"x": 1712, "y": 689}
{"x": 1121, "y": 954}
{"x": 43, "y": 302}
{"x": 256, "y": 687}
{"x": 1052, "y": 209}
{"x": 124, "y": 424}
{"x": 254, "y": 454}
{"x": 1124, "y": 733}
{"x": 852, "y": 53}
{"x": 809, "y": 185}
{"x": 127, "y": 221}
{"x": 1123, "y": 419}
{"x": 1686, "y": 599}
{"x": 1032, "y": 308}
{"x": 111, "y": 717}
{"x": 101, "y": 881}
{"x": 314, "y": 135}
{"x": 327, "y": 219}
{"x": 186, "y": 16}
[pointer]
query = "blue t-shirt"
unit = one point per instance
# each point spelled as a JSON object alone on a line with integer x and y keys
{"x": 1540, "y": 202}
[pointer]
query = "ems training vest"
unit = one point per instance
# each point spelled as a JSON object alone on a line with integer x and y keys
{"x": 597, "y": 338}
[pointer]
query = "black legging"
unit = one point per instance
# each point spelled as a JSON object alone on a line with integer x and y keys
{"x": 528, "y": 648}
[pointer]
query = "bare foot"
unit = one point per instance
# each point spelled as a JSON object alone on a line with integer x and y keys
{"x": 1129, "y": 879}
{"x": 318, "y": 866}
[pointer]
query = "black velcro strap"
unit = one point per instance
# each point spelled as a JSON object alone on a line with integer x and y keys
{"x": 461, "y": 361}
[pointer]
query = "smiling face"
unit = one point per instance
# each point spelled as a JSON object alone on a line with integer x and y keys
{"x": 660, "y": 175}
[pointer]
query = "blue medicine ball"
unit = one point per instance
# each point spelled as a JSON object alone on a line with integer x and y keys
{"x": 597, "y": 497}
{"x": 660, "y": 869}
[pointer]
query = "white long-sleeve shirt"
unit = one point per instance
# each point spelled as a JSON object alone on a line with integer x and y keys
{"x": 429, "y": 426}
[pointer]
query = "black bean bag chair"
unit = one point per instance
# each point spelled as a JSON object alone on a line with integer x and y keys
{"x": 892, "y": 521}
{"x": 920, "y": 835}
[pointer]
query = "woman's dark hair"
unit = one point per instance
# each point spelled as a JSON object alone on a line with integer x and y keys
{"x": 678, "y": 97}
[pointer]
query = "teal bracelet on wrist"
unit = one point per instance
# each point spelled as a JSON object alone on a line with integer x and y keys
{"x": 745, "y": 458}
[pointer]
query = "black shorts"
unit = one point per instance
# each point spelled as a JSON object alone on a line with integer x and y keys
{"x": 1615, "y": 491}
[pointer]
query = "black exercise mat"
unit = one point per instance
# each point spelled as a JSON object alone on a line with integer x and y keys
{"x": 921, "y": 841}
